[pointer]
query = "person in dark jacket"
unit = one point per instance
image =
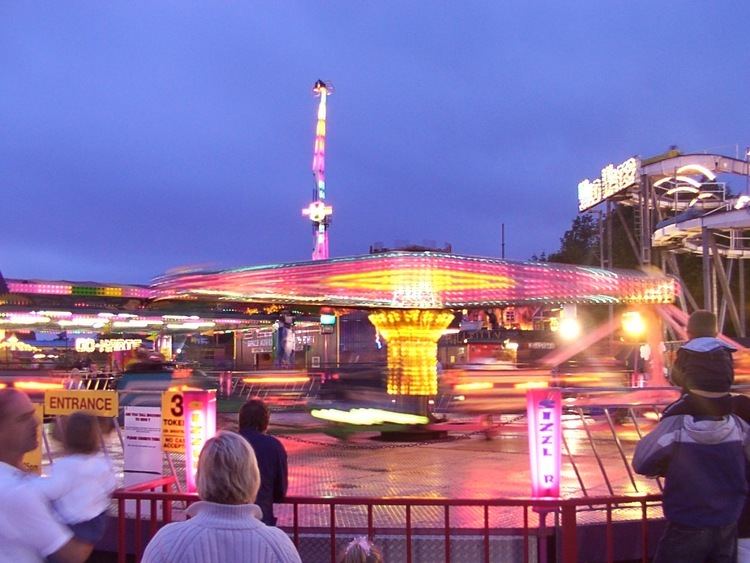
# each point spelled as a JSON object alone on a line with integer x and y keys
{"x": 700, "y": 504}
{"x": 703, "y": 462}
{"x": 271, "y": 455}
{"x": 705, "y": 397}
{"x": 704, "y": 362}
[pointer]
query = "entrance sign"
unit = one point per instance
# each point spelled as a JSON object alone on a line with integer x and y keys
{"x": 543, "y": 407}
{"x": 173, "y": 422}
{"x": 612, "y": 181}
{"x": 200, "y": 425}
{"x": 99, "y": 403}
{"x": 32, "y": 461}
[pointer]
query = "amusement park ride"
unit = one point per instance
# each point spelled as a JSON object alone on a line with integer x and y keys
{"x": 681, "y": 205}
{"x": 318, "y": 212}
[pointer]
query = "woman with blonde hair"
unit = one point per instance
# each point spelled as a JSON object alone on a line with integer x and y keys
{"x": 362, "y": 550}
{"x": 225, "y": 524}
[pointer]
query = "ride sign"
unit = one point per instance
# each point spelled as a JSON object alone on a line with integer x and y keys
{"x": 543, "y": 407}
{"x": 173, "y": 422}
{"x": 200, "y": 425}
{"x": 64, "y": 401}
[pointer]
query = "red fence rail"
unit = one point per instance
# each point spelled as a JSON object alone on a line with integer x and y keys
{"x": 564, "y": 532}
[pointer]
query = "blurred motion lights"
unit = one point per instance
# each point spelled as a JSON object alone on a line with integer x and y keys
{"x": 569, "y": 329}
{"x": 633, "y": 324}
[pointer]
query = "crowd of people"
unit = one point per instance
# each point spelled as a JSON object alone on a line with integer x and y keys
{"x": 62, "y": 516}
{"x": 701, "y": 447}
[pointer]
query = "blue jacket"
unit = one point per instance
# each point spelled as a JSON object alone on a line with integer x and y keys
{"x": 272, "y": 465}
{"x": 703, "y": 463}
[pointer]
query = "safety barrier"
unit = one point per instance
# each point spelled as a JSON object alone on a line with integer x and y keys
{"x": 594, "y": 517}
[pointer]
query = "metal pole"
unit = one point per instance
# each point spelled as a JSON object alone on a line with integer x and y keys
{"x": 707, "y": 290}
{"x": 601, "y": 239}
{"x": 743, "y": 313}
{"x": 502, "y": 241}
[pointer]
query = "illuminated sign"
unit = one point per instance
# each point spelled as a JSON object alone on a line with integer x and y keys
{"x": 100, "y": 403}
{"x": 543, "y": 408}
{"x": 327, "y": 323}
{"x": 612, "y": 181}
{"x": 200, "y": 425}
{"x": 173, "y": 422}
{"x": 107, "y": 345}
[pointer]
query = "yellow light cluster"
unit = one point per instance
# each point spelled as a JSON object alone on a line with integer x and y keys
{"x": 412, "y": 337}
{"x": 438, "y": 280}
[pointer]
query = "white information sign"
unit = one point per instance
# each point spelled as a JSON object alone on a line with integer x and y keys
{"x": 143, "y": 452}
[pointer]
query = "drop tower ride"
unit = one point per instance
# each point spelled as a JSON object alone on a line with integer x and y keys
{"x": 318, "y": 212}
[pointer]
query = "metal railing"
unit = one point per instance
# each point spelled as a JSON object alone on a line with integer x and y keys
{"x": 538, "y": 542}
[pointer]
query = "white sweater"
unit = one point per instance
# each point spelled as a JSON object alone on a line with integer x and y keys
{"x": 79, "y": 486}
{"x": 223, "y": 533}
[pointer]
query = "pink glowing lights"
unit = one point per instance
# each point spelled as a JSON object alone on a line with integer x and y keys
{"x": 318, "y": 211}
{"x": 543, "y": 407}
{"x": 200, "y": 425}
{"x": 421, "y": 280}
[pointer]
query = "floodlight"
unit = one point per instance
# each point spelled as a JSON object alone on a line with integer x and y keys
{"x": 633, "y": 324}
{"x": 569, "y": 329}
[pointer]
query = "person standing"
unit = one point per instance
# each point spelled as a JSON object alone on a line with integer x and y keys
{"x": 705, "y": 372}
{"x": 702, "y": 453}
{"x": 271, "y": 456}
{"x": 29, "y": 531}
{"x": 225, "y": 525}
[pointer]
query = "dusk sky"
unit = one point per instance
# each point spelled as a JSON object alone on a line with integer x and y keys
{"x": 136, "y": 137}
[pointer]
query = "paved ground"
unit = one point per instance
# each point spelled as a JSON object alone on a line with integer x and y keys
{"x": 465, "y": 466}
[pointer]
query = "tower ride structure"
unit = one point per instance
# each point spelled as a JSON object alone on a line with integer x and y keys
{"x": 318, "y": 212}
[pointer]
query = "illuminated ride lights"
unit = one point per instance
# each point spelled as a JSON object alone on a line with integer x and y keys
{"x": 122, "y": 322}
{"x": 411, "y": 291}
{"x": 412, "y": 337}
{"x": 275, "y": 379}
{"x": 421, "y": 280}
{"x": 544, "y": 408}
{"x": 368, "y": 417}
{"x": 63, "y": 288}
{"x": 318, "y": 211}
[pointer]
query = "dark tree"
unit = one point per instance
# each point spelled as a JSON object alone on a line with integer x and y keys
{"x": 580, "y": 243}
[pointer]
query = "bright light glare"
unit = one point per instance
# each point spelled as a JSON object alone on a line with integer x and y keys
{"x": 570, "y": 329}
{"x": 276, "y": 379}
{"x": 633, "y": 324}
{"x": 368, "y": 416}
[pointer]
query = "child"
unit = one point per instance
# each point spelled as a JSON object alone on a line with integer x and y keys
{"x": 700, "y": 447}
{"x": 705, "y": 371}
{"x": 80, "y": 484}
{"x": 704, "y": 362}
{"x": 362, "y": 550}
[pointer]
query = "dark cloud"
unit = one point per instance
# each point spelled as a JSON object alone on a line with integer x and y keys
{"x": 138, "y": 136}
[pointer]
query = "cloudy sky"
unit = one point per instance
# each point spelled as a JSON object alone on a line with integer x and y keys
{"x": 136, "y": 137}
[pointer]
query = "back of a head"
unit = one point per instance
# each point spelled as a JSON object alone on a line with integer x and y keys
{"x": 227, "y": 470}
{"x": 7, "y": 396}
{"x": 254, "y": 414}
{"x": 702, "y": 323}
{"x": 81, "y": 434}
{"x": 362, "y": 550}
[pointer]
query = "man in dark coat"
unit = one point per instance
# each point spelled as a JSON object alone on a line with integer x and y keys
{"x": 271, "y": 455}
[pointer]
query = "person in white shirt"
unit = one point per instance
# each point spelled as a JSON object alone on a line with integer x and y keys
{"x": 81, "y": 483}
{"x": 29, "y": 531}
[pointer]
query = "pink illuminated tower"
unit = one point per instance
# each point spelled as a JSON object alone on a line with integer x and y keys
{"x": 318, "y": 211}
